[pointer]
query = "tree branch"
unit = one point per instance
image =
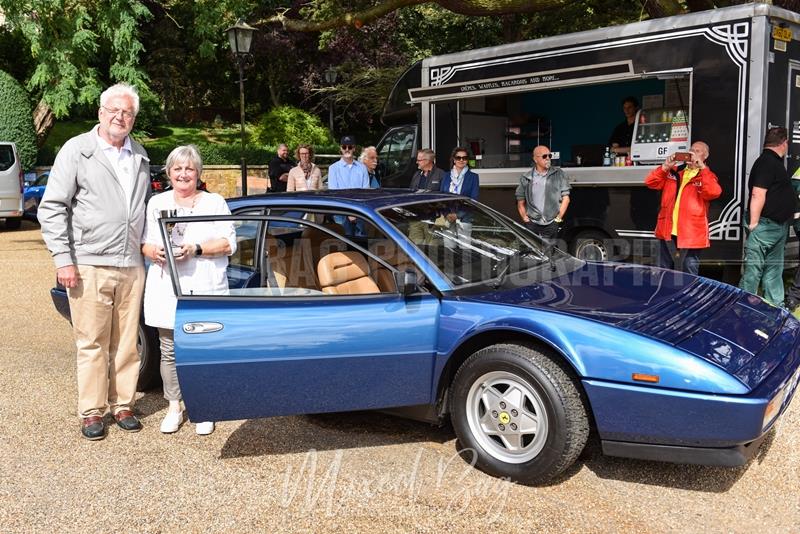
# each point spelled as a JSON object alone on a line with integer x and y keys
{"x": 463, "y": 7}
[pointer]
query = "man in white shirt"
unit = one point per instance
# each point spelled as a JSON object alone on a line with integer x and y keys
{"x": 92, "y": 218}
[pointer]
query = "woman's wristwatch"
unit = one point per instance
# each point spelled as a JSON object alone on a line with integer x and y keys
{"x": 198, "y": 250}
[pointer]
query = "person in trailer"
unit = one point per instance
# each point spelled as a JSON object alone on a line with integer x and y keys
{"x": 622, "y": 136}
{"x": 682, "y": 226}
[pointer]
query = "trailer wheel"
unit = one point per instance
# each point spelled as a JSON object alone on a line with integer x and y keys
{"x": 590, "y": 245}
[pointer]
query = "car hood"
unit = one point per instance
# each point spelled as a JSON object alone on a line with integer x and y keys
{"x": 715, "y": 321}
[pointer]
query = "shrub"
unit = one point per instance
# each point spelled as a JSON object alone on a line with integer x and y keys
{"x": 215, "y": 154}
{"x": 290, "y": 125}
{"x": 150, "y": 115}
{"x": 16, "y": 119}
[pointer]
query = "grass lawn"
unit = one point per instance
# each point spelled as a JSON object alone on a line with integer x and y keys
{"x": 170, "y": 136}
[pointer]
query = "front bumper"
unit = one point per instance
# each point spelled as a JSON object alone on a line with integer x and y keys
{"x": 722, "y": 457}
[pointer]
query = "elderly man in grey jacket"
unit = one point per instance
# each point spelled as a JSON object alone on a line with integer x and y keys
{"x": 92, "y": 218}
{"x": 543, "y": 195}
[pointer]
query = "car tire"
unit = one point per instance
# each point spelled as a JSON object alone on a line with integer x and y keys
{"x": 13, "y": 223}
{"x": 590, "y": 245}
{"x": 149, "y": 358}
{"x": 518, "y": 414}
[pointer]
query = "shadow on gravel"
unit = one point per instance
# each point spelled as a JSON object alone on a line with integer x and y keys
{"x": 150, "y": 403}
{"x": 347, "y": 430}
{"x": 689, "y": 477}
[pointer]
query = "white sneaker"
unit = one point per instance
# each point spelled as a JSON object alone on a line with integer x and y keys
{"x": 205, "y": 428}
{"x": 172, "y": 422}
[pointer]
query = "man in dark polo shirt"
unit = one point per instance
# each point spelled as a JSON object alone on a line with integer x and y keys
{"x": 771, "y": 210}
{"x": 279, "y": 168}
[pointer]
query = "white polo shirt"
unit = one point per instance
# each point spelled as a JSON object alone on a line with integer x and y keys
{"x": 122, "y": 161}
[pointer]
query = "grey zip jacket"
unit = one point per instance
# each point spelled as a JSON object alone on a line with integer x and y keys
{"x": 83, "y": 214}
{"x": 556, "y": 187}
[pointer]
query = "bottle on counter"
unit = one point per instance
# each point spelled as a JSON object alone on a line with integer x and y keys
{"x": 607, "y": 158}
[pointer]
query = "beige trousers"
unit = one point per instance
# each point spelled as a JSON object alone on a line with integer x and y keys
{"x": 105, "y": 309}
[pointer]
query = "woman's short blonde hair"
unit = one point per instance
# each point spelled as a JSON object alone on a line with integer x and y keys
{"x": 188, "y": 154}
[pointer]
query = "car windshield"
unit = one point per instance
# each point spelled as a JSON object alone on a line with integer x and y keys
{"x": 468, "y": 243}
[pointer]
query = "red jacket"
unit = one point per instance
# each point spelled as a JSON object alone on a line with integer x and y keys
{"x": 693, "y": 211}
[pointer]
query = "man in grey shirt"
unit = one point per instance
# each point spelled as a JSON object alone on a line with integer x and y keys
{"x": 543, "y": 195}
{"x": 92, "y": 218}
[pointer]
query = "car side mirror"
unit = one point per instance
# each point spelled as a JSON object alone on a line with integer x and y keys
{"x": 406, "y": 281}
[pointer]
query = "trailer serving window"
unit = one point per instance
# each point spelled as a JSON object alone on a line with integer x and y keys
{"x": 575, "y": 121}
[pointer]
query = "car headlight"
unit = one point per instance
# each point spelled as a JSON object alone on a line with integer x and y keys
{"x": 774, "y": 406}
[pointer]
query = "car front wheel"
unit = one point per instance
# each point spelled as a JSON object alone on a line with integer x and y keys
{"x": 518, "y": 414}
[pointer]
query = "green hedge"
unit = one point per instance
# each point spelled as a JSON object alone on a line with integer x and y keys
{"x": 290, "y": 125}
{"x": 16, "y": 119}
{"x": 216, "y": 154}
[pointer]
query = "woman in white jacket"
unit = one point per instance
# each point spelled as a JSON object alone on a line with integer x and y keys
{"x": 201, "y": 251}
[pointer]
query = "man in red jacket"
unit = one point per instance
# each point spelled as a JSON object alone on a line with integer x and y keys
{"x": 682, "y": 225}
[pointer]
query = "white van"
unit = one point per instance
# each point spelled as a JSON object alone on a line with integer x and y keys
{"x": 11, "y": 186}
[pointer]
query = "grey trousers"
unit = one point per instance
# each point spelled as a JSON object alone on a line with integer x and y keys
{"x": 169, "y": 373}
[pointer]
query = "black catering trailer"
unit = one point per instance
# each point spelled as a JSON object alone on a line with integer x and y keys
{"x": 720, "y": 76}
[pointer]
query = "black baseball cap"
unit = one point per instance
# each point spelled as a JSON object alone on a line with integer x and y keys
{"x": 347, "y": 140}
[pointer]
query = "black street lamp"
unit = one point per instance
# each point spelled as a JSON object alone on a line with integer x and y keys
{"x": 240, "y": 36}
{"x": 330, "y": 77}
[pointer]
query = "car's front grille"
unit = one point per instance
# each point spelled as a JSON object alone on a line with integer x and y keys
{"x": 677, "y": 318}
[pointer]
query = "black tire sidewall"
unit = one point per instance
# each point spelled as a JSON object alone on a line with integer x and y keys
{"x": 545, "y": 464}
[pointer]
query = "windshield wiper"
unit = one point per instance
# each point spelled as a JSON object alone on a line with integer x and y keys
{"x": 501, "y": 276}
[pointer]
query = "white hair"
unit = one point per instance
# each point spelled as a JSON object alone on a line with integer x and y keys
{"x": 121, "y": 89}
{"x": 185, "y": 154}
{"x": 366, "y": 150}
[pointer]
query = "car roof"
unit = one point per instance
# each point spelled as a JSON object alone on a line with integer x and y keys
{"x": 371, "y": 198}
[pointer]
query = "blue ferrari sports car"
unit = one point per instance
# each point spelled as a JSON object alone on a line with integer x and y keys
{"x": 439, "y": 307}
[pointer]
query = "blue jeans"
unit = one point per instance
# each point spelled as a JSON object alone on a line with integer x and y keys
{"x": 680, "y": 259}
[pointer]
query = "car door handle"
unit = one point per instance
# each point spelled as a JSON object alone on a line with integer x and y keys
{"x": 202, "y": 328}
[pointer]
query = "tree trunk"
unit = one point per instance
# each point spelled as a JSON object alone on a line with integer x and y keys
{"x": 43, "y": 121}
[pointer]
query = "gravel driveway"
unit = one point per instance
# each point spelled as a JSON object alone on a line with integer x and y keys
{"x": 362, "y": 472}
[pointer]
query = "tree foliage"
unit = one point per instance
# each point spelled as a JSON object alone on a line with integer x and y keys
{"x": 16, "y": 124}
{"x": 78, "y": 47}
{"x": 290, "y": 125}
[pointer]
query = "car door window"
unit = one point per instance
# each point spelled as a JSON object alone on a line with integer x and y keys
{"x": 270, "y": 261}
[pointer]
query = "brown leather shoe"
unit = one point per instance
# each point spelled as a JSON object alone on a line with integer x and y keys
{"x": 93, "y": 428}
{"x": 127, "y": 421}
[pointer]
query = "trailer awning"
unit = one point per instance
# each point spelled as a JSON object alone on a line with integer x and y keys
{"x": 525, "y": 82}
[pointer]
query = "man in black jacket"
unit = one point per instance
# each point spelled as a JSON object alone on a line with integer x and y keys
{"x": 428, "y": 176}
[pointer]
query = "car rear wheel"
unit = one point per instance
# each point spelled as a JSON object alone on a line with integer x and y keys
{"x": 590, "y": 245}
{"x": 518, "y": 414}
{"x": 149, "y": 358}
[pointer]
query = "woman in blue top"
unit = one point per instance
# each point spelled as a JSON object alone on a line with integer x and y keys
{"x": 461, "y": 180}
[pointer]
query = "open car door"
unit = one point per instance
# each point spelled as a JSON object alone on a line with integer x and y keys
{"x": 277, "y": 342}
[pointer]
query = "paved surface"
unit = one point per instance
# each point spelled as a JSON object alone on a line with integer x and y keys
{"x": 334, "y": 473}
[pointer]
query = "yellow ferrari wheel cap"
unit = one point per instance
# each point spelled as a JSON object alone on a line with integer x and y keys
{"x": 504, "y": 418}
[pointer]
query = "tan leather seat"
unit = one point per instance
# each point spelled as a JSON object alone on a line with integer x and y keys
{"x": 388, "y": 251}
{"x": 345, "y": 273}
{"x": 276, "y": 252}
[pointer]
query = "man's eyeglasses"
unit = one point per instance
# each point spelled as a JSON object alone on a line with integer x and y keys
{"x": 347, "y": 147}
{"x": 127, "y": 115}
{"x": 545, "y": 156}
{"x": 460, "y": 158}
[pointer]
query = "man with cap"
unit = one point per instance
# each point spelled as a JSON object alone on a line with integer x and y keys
{"x": 348, "y": 173}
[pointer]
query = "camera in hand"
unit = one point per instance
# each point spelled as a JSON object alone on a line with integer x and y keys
{"x": 683, "y": 156}
{"x": 177, "y": 251}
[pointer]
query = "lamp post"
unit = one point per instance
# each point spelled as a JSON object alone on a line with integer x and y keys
{"x": 330, "y": 77}
{"x": 240, "y": 36}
